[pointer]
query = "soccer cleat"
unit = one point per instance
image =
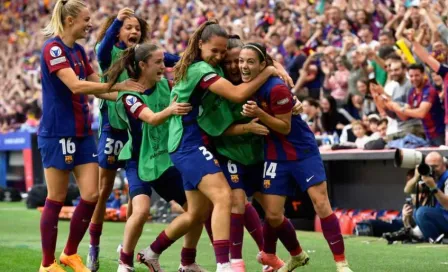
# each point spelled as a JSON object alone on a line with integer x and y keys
{"x": 267, "y": 268}
{"x": 269, "y": 260}
{"x": 295, "y": 261}
{"x": 93, "y": 262}
{"x": 343, "y": 267}
{"x": 238, "y": 266}
{"x": 150, "y": 259}
{"x": 74, "y": 261}
{"x": 124, "y": 268}
{"x": 55, "y": 267}
{"x": 191, "y": 268}
{"x": 225, "y": 267}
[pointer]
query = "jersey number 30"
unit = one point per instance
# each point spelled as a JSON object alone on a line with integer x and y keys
{"x": 111, "y": 148}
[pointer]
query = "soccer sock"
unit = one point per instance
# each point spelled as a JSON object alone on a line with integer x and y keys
{"x": 287, "y": 235}
{"x": 188, "y": 256}
{"x": 253, "y": 225}
{"x": 332, "y": 233}
{"x": 127, "y": 258}
{"x": 208, "y": 227}
{"x": 49, "y": 230}
{"x": 236, "y": 236}
{"x": 221, "y": 248}
{"x": 161, "y": 243}
{"x": 270, "y": 239}
{"x": 95, "y": 231}
{"x": 78, "y": 225}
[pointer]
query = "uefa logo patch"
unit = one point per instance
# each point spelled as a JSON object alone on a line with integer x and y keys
{"x": 55, "y": 51}
{"x": 130, "y": 100}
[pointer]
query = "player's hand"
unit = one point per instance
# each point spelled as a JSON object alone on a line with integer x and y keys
{"x": 285, "y": 77}
{"x": 125, "y": 13}
{"x": 298, "y": 108}
{"x": 256, "y": 128}
{"x": 129, "y": 85}
{"x": 251, "y": 109}
{"x": 407, "y": 210}
{"x": 179, "y": 108}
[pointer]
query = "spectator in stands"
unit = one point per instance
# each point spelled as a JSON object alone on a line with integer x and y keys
{"x": 433, "y": 221}
{"x": 331, "y": 120}
{"x": 424, "y": 104}
{"x": 294, "y": 59}
{"x": 360, "y": 132}
{"x": 366, "y": 35}
{"x": 310, "y": 113}
{"x": 399, "y": 97}
{"x": 336, "y": 81}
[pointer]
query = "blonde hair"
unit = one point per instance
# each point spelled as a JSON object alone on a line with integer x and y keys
{"x": 62, "y": 10}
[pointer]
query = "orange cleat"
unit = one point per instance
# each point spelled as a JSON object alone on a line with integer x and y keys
{"x": 55, "y": 267}
{"x": 74, "y": 261}
{"x": 270, "y": 260}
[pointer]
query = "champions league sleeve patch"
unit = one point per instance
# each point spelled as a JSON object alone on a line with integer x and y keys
{"x": 130, "y": 100}
{"x": 208, "y": 77}
{"x": 283, "y": 101}
{"x": 56, "y": 54}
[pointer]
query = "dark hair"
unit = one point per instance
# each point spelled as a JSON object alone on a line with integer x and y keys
{"x": 383, "y": 121}
{"x": 261, "y": 52}
{"x": 312, "y": 102}
{"x": 366, "y": 82}
{"x": 387, "y": 33}
{"x": 385, "y": 51}
{"x": 234, "y": 42}
{"x": 416, "y": 66}
{"x": 144, "y": 28}
{"x": 329, "y": 119}
{"x": 129, "y": 60}
{"x": 204, "y": 33}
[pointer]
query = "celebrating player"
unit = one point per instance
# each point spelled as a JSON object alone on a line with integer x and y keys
{"x": 65, "y": 138}
{"x": 187, "y": 147}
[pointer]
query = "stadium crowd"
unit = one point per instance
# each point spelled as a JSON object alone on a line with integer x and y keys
{"x": 349, "y": 60}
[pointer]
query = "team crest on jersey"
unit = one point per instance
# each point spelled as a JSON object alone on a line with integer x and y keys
{"x": 267, "y": 183}
{"x": 264, "y": 105}
{"x": 234, "y": 178}
{"x": 216, "y": 162}
{"x": 69, "y": 159}
{"x": 55, "y": 51}
{"x": 130, "y": 100}
{"x": 110, "y": 159}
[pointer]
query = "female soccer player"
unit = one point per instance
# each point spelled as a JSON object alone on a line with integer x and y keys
{"x": 148, "y": 162}
{"x": 195, "y": 74}
{"x": 65, "y": 139}
{"x": 118, "y": 33}
{"x": 291, "y": 158}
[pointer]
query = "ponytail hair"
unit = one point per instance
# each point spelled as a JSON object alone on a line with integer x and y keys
{"x": 62, "y": 10}
{"x": 234, "y": 42}
{"x": 129, "y": 61}
{"x": 261, "y": 53}
{"x": 144, "y": 28}
{"x": 205, "y": 32}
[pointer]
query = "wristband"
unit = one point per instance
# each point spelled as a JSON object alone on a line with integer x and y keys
{"x": 434, "y": 190}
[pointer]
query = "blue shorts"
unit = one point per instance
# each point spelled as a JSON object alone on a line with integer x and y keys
{"x": 282, "y": 177}
{"x": 240, "y": 176}
{"x": 110, "y": 144}
{"x": 64, "y": 153}
{"x": 194, "y": 163}
{"x": 168, "y": 185}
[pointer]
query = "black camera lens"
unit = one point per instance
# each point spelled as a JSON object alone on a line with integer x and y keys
{"x": 424, "y": 169}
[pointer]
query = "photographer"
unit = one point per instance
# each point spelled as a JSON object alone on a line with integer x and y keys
{"x": 433, "y": 221}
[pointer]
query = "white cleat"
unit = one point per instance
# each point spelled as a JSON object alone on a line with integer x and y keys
{"x": 191, "y": 268}
{"x": 125, "y": 268}
{"x": 343, "y": 267}
{"x": 225, "y": 267}
{"x": 150, "y": 259}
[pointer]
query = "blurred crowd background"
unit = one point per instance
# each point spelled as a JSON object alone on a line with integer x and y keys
{"x": 339, "y": 53}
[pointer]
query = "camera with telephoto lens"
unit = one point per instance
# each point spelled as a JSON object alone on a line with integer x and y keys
{"x": 410, "y": 158}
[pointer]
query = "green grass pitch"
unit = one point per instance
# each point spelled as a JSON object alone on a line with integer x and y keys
{"x": 20, "y": 248}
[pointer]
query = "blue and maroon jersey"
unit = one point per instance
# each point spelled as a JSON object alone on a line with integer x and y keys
{"x": 65, "y": 114}
{"x": 275, "y": 98}
{"x": 443, "y": 72}
{"x": 433, "y": 122}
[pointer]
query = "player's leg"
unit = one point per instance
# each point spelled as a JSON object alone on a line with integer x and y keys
{"x": 311, "y": 178}
{"x": 139, "y": 193}
{"x": 57, "y": 163}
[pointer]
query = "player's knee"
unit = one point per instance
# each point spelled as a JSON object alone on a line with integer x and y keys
{"x": 58, "y": 197}
{"x": 105, "y": 190}
{"x": 140, "y": 213}
{"x": 91, "y": 196}
{"x": 223, "y": 197}
{"x": 238, "y": 206}
{"x": 274, "y": 218}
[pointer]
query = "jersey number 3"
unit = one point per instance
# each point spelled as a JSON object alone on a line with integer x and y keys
{"x": 207, "y": 154}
